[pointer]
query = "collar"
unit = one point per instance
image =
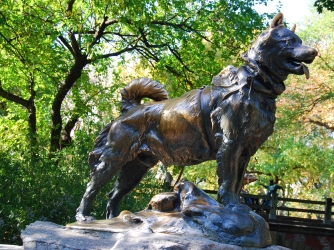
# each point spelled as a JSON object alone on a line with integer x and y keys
{"x": 256, "y": 81}
{"x": 269, "y": 80}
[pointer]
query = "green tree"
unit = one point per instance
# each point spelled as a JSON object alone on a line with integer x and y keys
{"x": 322, "y": 5}
{"x": 47, "y": 48}
{"x": 318, "y": 105}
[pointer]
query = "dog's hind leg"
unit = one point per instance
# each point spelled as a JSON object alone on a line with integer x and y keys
{"x": 110, "y": 163}
{"x": 128, "y": 178}
{"x": 99, "y": 177}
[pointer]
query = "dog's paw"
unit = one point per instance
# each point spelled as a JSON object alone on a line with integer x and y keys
{"x": 80, "y": 217}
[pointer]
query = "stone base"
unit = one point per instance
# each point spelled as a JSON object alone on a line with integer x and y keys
{"x": 46, "y": 235}
{"x": 191, "y": 212}
{"x": 10, "y": 247}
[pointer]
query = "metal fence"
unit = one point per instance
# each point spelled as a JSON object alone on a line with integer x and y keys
{"x": 272, "y": 208}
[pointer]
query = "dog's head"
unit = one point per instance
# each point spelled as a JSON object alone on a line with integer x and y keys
{"x": 278, "y": 52}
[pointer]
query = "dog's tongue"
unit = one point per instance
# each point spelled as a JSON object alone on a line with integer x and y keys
{"x": 306, "y": 72}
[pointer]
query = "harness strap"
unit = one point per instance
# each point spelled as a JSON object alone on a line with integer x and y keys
{"x": 205, "y": 97}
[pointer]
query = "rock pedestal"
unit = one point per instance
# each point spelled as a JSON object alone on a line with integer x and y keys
{"x": 184, "y": 219}
{"x": 43, "y": 235}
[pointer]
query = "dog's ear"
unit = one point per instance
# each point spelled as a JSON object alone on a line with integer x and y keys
{"x": 293, "y": 28}
{"x": 278, "y": 20}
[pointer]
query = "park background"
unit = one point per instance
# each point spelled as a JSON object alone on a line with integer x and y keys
{"x": 60, "y": 82}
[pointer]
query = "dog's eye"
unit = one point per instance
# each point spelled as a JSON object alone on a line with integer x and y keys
{"x": 289, "y": 42}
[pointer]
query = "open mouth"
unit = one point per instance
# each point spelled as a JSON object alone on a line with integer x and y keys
{"x": 298, "y": 66}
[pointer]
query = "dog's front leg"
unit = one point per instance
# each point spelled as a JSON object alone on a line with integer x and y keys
{"x": 230, "y": 169}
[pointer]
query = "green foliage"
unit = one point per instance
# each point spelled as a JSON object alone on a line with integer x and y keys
{"x": 321, "y": 5}
{"x": 39, "y": 188}
{"x": 204, "y": 175}
{"x": 226, "y": 30}
{"x": 139, "y": 198}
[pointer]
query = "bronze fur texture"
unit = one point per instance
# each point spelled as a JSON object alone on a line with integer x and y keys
{"x": 227, "y": 122}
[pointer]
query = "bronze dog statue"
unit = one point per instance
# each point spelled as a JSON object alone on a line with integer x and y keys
{"x": 227, "y": 121}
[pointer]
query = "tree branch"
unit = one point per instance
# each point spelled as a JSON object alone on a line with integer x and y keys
{"x": 100, "y": 32}
{"x": 66, "y": 138}
{"x": 181, "y": 26}
{"x": 75, "y": 46}
{"x": 320, "y": 123}
{"x": 326, "y": 63}
{"x": 147, "y": 53}
{"x": 178, "y": 57}
{"x": 67, "y": 45}
{"x": 70, "y": 6}
{"x": 114, "y": 54}
{"x": 14, "y": 50}
{"x": 172, "y": 70}
{"x": 14, "y": 98}
{"x": 147, "y": 44}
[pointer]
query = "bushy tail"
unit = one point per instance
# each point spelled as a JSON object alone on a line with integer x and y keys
{"x": 132, "y": 95}
{"x": 140, "y": 88}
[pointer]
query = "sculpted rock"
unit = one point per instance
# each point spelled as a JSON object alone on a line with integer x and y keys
{"x": 163, "y": 202}
{"x": 44, "y": 235}
{"x": 190, "y": 213}
{"x": 236, "y": 225}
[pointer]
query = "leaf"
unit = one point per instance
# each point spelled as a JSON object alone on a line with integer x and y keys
{"x": 2, "y": 21}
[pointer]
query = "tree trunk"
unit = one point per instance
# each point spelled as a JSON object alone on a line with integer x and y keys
{"x": 57, "y": 122}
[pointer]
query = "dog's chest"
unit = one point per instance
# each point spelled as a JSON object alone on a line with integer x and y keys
{"x": 243, "y": 114}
